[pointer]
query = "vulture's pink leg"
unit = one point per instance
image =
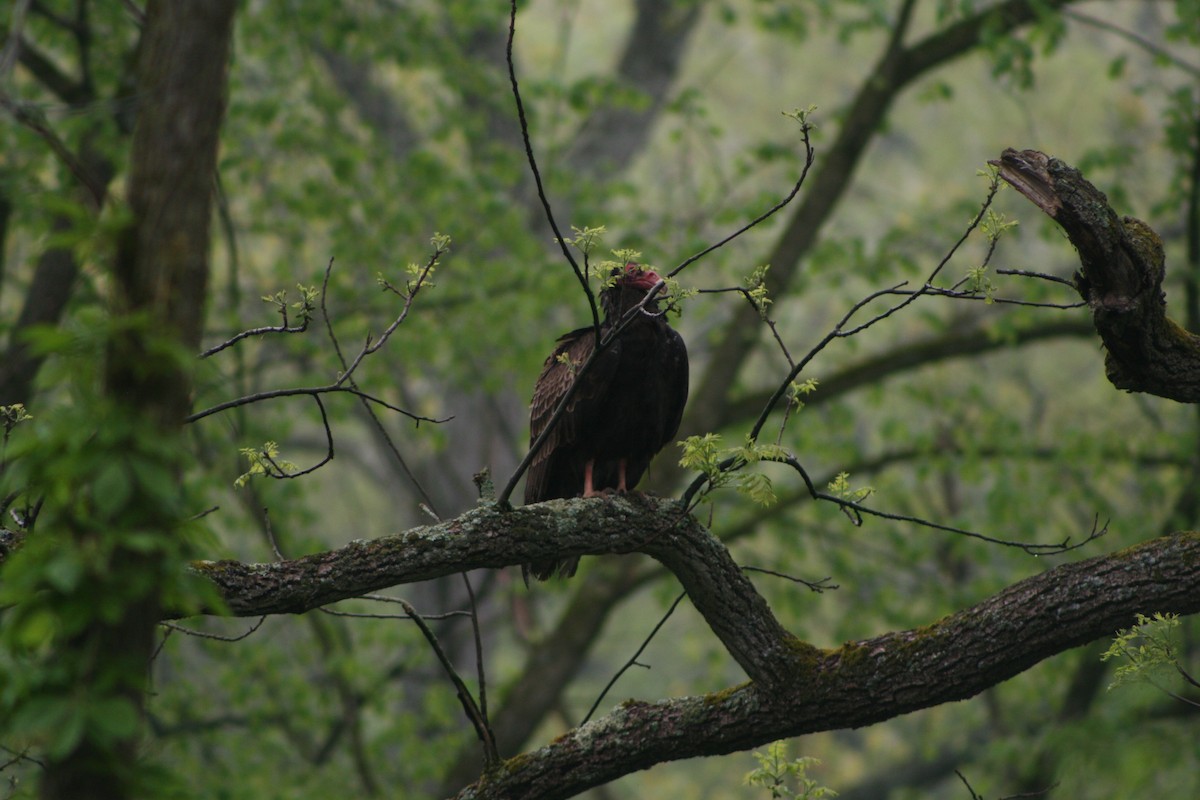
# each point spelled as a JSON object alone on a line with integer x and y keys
{"x": 588, "y": 491}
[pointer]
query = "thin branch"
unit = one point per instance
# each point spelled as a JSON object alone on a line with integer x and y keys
{"x": 809, "y": 157}
{"x": 170, "y": 626}
{"x": 1187, "y": 676}
{"x": 816, "y": 586}
{"x": 337, "y": 348}
{"x": 284, "y": 328}
{"x": 1035, "y": 793}
{"x": 269, "y": 531}
{"x": 474, "y": 713}
{"x": 533, "y": 167}
{"x": 1025, "y": 273}
{"x": 761, "y": 308}
{"x": 18, "y": 757}
{"x": 1153, "y": 48}
{"x": 855, "y": 510}
{"x": 483, "y": 708}
{"x": 933, "y": 291}
{"x": 313, "y": 391}
{"x": 279, "y": 472}
{"x": 633, "y": 660}
{"x": 339, "y": 385}
{"x": 34, "y": 119}
{"x": 409, "y": 295}
{"x": 355, "y": 615}
{"x": 968, "y": 785}
{"x": 840, "y": 330}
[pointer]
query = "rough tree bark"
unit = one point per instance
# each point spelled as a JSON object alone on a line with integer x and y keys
{"x": 1120, "y": 278}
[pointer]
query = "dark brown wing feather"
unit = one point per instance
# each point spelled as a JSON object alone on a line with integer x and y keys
{"x": 557, "y": 468}
{"x": 664, "y": 399}
{"x": 675, "y": 377}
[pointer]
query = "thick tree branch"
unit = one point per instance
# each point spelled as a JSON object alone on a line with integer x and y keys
{"x": 869, "y": 681}
{"x": 488, "y": 537}
{"x": 797, "y": 689}
{"x": 1121, "y": 278}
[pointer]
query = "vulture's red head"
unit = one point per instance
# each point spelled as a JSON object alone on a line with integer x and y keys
{"x": 633, "y": 275}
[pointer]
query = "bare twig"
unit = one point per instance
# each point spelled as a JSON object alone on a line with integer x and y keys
{"x": 1154, "y": 49}
{"x": 170, "y": 626}
{"x": 968, "y": 785}
{"x": 473, "y": 711}
{"x": 280, "y": 472}
{"x": 269, "y": 530}
{"x": 409, "y": 295}
{"x": 855, "y": 510}
{"x": 809, "y": 157}
{"x": 343, "y": 382}
{"x": 580, "y": 274}
{"x": 817, "y": 586}
{"x": 312, "y": 391}
{"x": 840, "y": 330}
{"x": 382, "y": 598}
{"x": 761, "y": 308}
{"x": 1025, "y": 273}
{"x": 353, "y": 386}
{"x": 18, "y": 756}
{"x": 483, "y": 708}
{"x": 284, "y": 328}
{"x": 633, "y": 660}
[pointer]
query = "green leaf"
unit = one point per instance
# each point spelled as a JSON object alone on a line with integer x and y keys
{"x": 112, "y": 719}
{"x": 64, "y": 570}
{"x": 112, "y": 488}
{"x": 61, "y": 719}
{"x": 34, "y": 629}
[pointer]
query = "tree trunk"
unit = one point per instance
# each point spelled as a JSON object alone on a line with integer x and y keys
{"x": 160, "y": 273}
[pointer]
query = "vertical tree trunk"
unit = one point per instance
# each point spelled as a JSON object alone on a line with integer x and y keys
{"x": 160, "y": 277}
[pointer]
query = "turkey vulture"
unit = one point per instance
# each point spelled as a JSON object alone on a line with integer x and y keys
{"x": 627, "y": 406}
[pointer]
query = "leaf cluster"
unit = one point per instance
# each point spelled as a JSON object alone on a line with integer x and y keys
{"x": 105, "y": 530}
{"x": 1148, "y": 649}
{"x": 724, "y": 466}
{"x": 786, "y": 780}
